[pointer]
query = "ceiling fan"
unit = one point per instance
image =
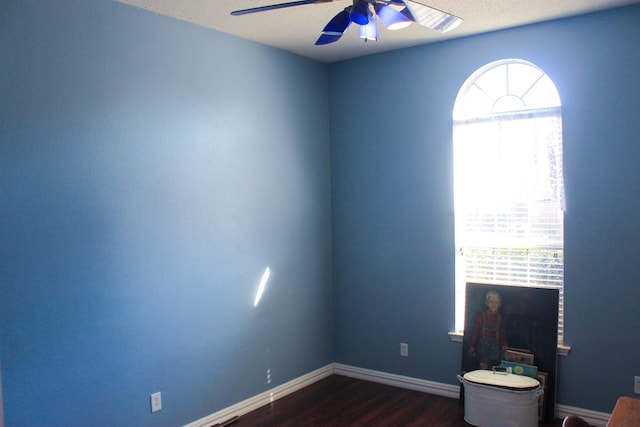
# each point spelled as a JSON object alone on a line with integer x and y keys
{"x": 394, "y": 14}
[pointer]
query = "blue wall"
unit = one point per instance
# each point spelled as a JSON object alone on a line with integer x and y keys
{"x": 392, "y": 200}
{"x": 150, "y": 170}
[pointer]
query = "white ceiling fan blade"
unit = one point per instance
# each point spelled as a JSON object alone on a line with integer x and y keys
{"x": 430, "y": 17}
{"x": 277, "y": 6}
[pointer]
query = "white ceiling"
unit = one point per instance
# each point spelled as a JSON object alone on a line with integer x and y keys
{"x": 296, "y": 29}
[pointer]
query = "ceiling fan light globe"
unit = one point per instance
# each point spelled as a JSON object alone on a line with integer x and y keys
{"x": 370, "y": 30}
{"x": 360, "y": 12}
{"x": 391, "y": 18}
{"x": 398, "y": 26}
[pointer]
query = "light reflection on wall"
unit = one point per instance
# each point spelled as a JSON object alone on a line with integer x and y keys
{"x": 263, "y": 284}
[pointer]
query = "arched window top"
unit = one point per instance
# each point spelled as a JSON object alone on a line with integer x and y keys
{"x": 503, "y": 87}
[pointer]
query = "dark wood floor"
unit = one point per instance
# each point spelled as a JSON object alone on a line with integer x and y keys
{"x": 339, "y": 401}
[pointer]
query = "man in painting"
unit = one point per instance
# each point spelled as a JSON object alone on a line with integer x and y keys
{"x": 489, "y": 336}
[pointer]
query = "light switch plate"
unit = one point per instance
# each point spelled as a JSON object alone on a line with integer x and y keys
{"x": 156, "y": 402}
{"x": 404, "y": 349}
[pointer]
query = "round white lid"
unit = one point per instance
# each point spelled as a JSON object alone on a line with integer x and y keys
{"x": 501, "y": 379}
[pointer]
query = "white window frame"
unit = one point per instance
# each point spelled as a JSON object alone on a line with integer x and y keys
{"x": 494, "y": 94}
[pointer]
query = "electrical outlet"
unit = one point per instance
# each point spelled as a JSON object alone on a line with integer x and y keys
{"x": 404, "y": 349}
{"x": 636, "y": 385}
{"x": 156, "y": 402}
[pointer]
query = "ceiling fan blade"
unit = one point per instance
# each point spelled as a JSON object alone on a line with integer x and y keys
{"x": 327, "y": 38}
{"x": 335, "y": 28}
{"x": 276, "y": 6}
{"x": 338, "y": 24}
{"x": 430, "y": 17}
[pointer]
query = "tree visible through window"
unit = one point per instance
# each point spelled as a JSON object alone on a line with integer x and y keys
{"x": 509, "y": 193}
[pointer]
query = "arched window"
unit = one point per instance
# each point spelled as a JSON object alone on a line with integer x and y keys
{"x": 509, "y": 193}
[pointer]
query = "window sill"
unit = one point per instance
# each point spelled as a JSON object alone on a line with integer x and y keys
{"x": 563, "y": 350}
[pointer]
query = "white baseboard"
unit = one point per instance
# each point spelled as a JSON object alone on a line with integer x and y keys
{"x": 431, "y": 387}
{"x": 597, "y": 419}
{"x": 263, "y": 399}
